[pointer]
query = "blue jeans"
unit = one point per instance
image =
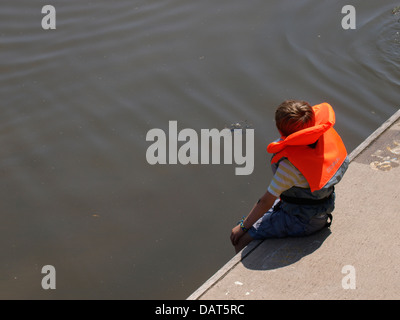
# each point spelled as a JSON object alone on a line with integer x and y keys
{"x": 276, "y": 223}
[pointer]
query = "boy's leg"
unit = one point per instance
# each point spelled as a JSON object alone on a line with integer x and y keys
{"x": 243, "y": 241}
{"x": 260, "y": 230}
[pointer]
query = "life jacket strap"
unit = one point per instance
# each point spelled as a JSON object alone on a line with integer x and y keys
{"x": 304, "y": 201}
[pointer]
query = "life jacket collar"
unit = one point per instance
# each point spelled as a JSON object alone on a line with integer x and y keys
{"x": 324, "y": 120}
{"x": 320, "y": 163}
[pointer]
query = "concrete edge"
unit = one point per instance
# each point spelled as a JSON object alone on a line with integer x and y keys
{"x": 374, "y": 135}
{"x": 220, "y": 274}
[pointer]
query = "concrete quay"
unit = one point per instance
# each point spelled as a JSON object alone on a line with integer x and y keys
{"x": 357, "y": 258}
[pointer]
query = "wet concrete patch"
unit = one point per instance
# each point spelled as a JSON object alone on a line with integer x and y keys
{"x": 384, "y": 153}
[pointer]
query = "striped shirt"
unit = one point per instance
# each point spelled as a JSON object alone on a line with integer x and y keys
{"x": 285, "y": 177}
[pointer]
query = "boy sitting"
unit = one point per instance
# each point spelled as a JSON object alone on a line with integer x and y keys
{"x": 308, "y": 160}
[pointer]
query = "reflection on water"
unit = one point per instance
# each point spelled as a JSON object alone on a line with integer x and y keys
{"x": 76, "y": 104}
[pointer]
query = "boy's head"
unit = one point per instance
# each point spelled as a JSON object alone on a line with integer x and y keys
{"x": 293, "y": 115}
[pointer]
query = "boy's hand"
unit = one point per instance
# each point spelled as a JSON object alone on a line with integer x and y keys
{"x": 236, "y": 234}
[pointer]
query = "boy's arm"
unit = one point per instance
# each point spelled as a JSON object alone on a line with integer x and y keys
{"x": 260, "y": 208}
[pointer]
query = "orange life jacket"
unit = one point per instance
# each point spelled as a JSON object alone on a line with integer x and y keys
{"x": 318, "y": 165}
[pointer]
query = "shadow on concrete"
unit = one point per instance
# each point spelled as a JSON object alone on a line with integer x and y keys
{"x": 277, "y": 253}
